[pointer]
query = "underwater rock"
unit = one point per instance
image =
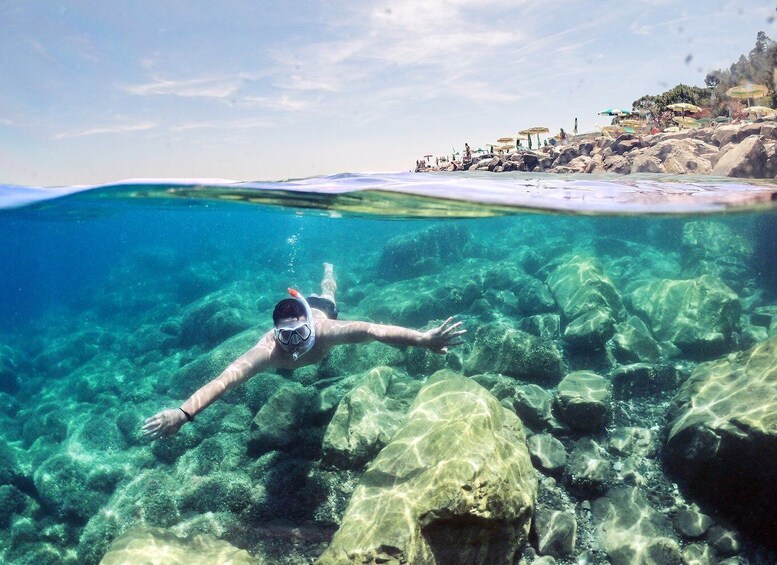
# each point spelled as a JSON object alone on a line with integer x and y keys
{"x": 579, "y": 285}
{"x": 278, "y": 422}
{"x": 367, "y": 417}
{"x": 631, "y": 440}
{"x": 632, "y": 342}
{"x": 590, "y": 331}
{"x": 211, "y": 320}
{"x": 697, "y": 315}
{"x": 422, "y": 252}
{"x": 588, "y": 471}
{"x": 146, "y": 545}
{"x": 722, "y": 436}
{"x": 12, "y": 501}
{"x": 415, "y": 302}
{"x": 542, "y": 325}
{"x": 556, "y": 532}
{"x": 533, "y": 297}
{"x": 61, "y": 482}
{"x": 534, "y": 405}
{"x": 547, "y": 453}
{"x": 714, "y": 248}
{"x": 642, "y": 379}
{"x": 502, "y": 349}
{"x": 454, "y": 485}
{"x": 583, "y": 400}
{"x": 691, "y": 523}
{"x": 8, "y": 370}
{"x": 632, "y": 532}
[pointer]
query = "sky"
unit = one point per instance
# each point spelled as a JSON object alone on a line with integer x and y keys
{"x": 100, "y": 91}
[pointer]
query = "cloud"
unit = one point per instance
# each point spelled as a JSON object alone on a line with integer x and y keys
{"x": 248, "y": 123}
{"x": 224, "y": 87}
{"x": 124, "y": 128}
{"x": 282, "y": 102}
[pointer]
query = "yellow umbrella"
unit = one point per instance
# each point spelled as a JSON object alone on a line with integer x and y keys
{"x": 506, "y": 147}
{"x": 505, "y": 140}
{"x": 684, "y": 107}
{"x": 762, "y": 110}
{"x": 748, "y": 91}
{"x": 632, "y": 123}
{"x": 684, "y": 120}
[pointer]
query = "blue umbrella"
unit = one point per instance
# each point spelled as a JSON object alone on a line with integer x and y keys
{"x": 615, "y": 112}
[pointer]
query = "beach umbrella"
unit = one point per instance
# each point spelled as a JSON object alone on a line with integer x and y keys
{"x": 672, "y": 129}
{"x": 506, "y": 147}
{"x": 615, "y": 112}
{"x": 504, "y": 140}
{"x": 761, "y": 110}
{"x": 684, "y": 120}
{"x": 538, "y": 130}
{"x": 631, "y": 122}
{"x": 748, "y": 91}
{"x": 684, "y": 107}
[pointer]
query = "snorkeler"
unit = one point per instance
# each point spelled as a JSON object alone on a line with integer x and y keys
{"x": 304, "y": 333}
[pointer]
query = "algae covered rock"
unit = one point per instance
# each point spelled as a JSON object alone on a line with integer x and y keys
{"x": 421, "y": 253}
{"x": 722, "y": 435}
{"x": 697, "y": 315}
{"x": 502, "y": 349}
{"x": 367, "y": 417}
{"x": 147, "y": 545}
{"x": 580, "y": 285}
{"x": 279, "y": 421}
{"x": 590, "y": 330}
{"x": 632, "y": 342}
{"x": 454, "y": 485}
{"x": 714, "y": 248}
{"x": 583, "y": 400}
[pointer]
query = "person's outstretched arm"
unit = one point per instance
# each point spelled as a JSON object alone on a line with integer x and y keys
{"x": 253, "y": 361}
{"x": 437, "y": 339}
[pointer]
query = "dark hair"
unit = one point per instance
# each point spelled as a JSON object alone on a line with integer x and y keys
{"x": 288, "y": 308}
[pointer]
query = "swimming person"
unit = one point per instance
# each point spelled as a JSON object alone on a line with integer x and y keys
{"x": 304, "y": 333}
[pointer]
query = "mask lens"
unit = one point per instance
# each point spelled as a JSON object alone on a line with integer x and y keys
{"x": 303, "y": 332}
{"x": 293, "y": 336}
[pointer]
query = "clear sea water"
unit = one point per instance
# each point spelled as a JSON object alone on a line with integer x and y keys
{"x": 91, "y": 279}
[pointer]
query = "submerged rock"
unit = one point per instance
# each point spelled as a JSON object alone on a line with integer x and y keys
{"x": 697, "y": 315}
{"x": 722, "y": 435}
{"x": 454, "y": 485}
{"x": 631, "y": 532}
{"x": 279, "y": 421}
{"x": 422, "y": 253}
{"x": 367, "y": 417}
{"x": 502, "y": 349}
{"x": 556, "y": 532}
{"x": 588, "y": 471}
{"x": 547, "y": 453}
{"x": 632, "y": 342}
{"x": 147, "y": 545}
{"x": 714, "y": 248}
{"x": 583, "y": 400}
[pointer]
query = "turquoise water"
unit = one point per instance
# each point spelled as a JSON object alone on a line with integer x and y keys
{"x": 120, "y": 301}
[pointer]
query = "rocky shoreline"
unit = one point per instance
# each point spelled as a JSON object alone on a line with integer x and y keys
{"x": 733, "y": 150}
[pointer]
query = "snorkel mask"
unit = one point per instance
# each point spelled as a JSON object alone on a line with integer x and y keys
{"x": 297, "y": 338}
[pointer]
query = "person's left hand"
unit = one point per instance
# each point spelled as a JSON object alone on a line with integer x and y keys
{"x": 441, "y": 338}
{"x": 163, "y": 424}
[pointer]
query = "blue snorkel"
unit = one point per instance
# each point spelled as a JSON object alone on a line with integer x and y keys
{"x": 296, "y": 344}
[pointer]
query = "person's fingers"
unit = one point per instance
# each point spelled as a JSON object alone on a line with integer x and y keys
{"x": 460, "y": 332}
{"x": 451, "y": 328}
{"x": 455, "y": 343}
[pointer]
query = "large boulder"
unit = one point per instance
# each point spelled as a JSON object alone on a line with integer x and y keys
{"x": 714, "y": 248}
{"x": 500, "y": 348}
{"x": 422, "y": 252}
{"x": 367, "y": 417}
{"x": 454, "y": 485}
{"x": 722, "y": 435}
{"x": 280, "y": 421}
{"x": 147, "y": 545}
{"x": 697, "y": 315}
{"x": 680, "y": 156}
{"x": 746, "y": 159}
{"x": 583, "y": 400}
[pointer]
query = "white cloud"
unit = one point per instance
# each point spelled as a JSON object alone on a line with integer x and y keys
{"x": 248, "y": 123}
{"x": 123, "y": 128}
{"x": 282, "y": 102}
{"x": 224, "y": 87}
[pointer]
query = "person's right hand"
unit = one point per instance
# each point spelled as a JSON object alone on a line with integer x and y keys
{"x": 164, "y": 424}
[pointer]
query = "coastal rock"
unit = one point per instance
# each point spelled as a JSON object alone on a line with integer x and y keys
{"x": 565, "y": 156}
{"x": 502, "y": 349}
{"x": 422, "y": 252}
{"x": 747, "y": 159}
{"x": 631, "y": 531}
{"x": 454, "y": 485}
{"x": 625, "y": 143}
{"x": 617, "y": 164}
{"x": 366, "y": 418}
{"x": 722, "y": 435}
{"x": 691, "y": 523}
{"x": 579, "y": 164}
{"x": 632, "y": 342}
{"x": 146, "y": 545}
{"x": 697, "y": 315}
{"x": 681, "y": 156}
{"x": 583, "y": 400}
{"x": 542, "y": 325}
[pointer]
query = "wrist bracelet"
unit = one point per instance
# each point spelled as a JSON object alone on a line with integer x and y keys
{"x": 188, "y": 416}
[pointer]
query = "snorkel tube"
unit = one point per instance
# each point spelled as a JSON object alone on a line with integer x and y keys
{"x": 299, "y": 350}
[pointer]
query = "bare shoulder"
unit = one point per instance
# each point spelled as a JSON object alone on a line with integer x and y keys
{"x": 340, "y": 331}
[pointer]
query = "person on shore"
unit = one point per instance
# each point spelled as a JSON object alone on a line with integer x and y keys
{"x": 467, "y": 154}
{"x": 304, "y": 332}
{"x": 562, "y": 136}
